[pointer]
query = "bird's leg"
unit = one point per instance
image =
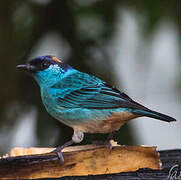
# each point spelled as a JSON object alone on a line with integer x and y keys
{"x": 107, "y": 142}
{"x": 58, "y": 150}
{"x": 77, "y": 137}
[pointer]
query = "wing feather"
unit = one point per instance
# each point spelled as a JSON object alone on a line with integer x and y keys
{"x": 80, "y": 90}
{"x": 97, "y": 97}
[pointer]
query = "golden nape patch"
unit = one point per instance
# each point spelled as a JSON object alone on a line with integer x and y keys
{"x": 56, "y": 59}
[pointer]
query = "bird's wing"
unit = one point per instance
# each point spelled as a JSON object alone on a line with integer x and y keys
{"x": 97, "y": 96}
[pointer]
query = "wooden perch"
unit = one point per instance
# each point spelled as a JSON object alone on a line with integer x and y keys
{"x": 79, "y": 160}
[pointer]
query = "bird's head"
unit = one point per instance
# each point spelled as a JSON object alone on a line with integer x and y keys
{"x": 46, "y": 70}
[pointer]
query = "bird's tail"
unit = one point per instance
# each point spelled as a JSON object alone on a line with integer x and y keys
{"x": 153, "y": 114}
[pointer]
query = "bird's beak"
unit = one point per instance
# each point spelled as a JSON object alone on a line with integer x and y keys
{"x": 27, "y": 67}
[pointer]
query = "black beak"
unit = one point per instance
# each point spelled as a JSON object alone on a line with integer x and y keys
{"x": 27, "y": 67}
{"x": 21, "y": 66}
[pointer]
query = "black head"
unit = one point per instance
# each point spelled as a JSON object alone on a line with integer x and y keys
{"x": 41, "y": 63}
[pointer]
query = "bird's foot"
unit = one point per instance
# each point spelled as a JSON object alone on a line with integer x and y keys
{"x": 108, "y": 143}
{"x": 108, "y": 140}
{"x": 58, "y": 150}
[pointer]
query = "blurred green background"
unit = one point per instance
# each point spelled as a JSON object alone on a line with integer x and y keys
{"x": 132, "y": 44}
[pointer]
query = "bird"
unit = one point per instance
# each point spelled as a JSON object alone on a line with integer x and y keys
{"x": 82, "y": 101}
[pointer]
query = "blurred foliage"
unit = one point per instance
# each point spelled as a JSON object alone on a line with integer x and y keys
{"x": 85, "y": 27}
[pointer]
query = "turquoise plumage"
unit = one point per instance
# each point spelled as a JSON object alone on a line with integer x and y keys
{"x": 83, "y": 102}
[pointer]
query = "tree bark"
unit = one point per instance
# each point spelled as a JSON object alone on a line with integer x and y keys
{"x": 79, "y": 161}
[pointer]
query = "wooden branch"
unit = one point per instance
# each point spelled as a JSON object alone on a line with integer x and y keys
{"x": 79, "y": 160}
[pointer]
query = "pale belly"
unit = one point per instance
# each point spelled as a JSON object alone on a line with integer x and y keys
{"x": 108, "y": 125}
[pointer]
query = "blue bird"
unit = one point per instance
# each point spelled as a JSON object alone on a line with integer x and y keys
{"x": 82, "y": 101}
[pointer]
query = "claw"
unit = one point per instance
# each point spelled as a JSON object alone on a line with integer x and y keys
{"x": 58, "y": 150}
{"x": 109, "y": 145}
{"x": 60, "y": 156}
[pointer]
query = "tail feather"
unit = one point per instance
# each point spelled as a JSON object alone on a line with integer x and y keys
{"x": 154, "y": 114}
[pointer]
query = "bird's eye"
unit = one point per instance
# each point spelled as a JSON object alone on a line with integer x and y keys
{"x": 44, "y": 65}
